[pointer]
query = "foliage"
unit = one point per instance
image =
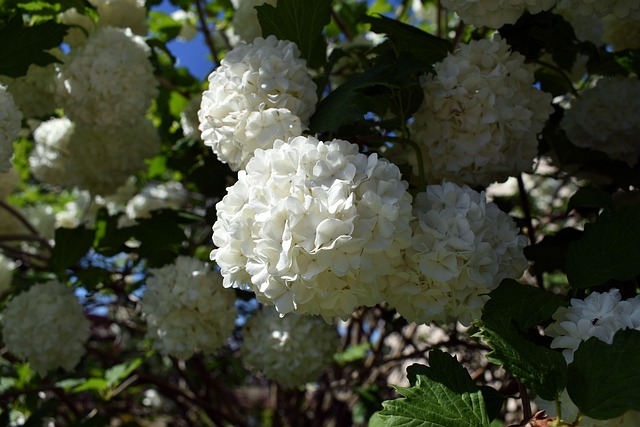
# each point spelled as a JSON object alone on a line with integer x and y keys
{"x": 578, "y": 207}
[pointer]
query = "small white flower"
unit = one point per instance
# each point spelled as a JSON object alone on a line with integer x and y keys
{"x": 495, "y": 13}
{"x": 313, "y": 227}
{"x": 47, "y": 326}
{"x": 260, "y": 92}
{"x": 480, "y": 116}
{"x": 187, "y": 308}
{"x": 599, "y": 315}
{"x": 10, "y": 118}
{"x": 463, "y": 247}
{"x": 605, "y": 118}
{"x": 50, "y": 157}
{"x": 108, "y": 81}
{"x": 291, "y": 350}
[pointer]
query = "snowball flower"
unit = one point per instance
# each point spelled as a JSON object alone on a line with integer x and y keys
{"x": 6, "y": 273}
{"x": 123, "y": 14}
{"x": 463, "y": 247}
{"x": 245, "y": 19}
{"x": 260, "y": 92}
{"x": 46, "y": 325}
{"x": 108, "y": 81}
{"x": 599, "y": 315}
{"x": 170, "y": 195}
{"x": 187, "y": 308}
{"x": 620, "y": 8}
{"x": 495, "y": 13}
{"x": 34, "y": 93}
{"x": 622, "y": 33}
{"x": 10, "y": 118}
{"x": 313, "y": 227}
{"x": 96, "y": 160}
{"x": 189, "y": 118}
{"x": 605, "y": 118}
{"x": 291, "y": 350}
{"x": 480, "y": 116}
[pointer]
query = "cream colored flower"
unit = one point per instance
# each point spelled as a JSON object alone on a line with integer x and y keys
{"x": 245, "y": 19}
{"x": 495, "y": 13}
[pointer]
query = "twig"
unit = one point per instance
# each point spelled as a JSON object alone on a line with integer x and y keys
{"x": 202, "y": 17}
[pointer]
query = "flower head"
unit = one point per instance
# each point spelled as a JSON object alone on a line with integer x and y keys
{"x": 108, "y": 81}
{"x": 10, "y": 118}
{"x": 462, "y": 248}
{"x": 313, "y": 227}
{"x": 245, "y": 19}
{"x": 480, "y": 116}
{"x": 261, "y": 92}
{"x": 495, "y": 13}
{"x": 291, "y": 350}
{"x": 53, "y": 333}
{"x": 187, "y": 308}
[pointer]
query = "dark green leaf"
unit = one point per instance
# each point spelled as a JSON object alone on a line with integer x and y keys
{"x": 590, "y": 197}
{"x": 553, "y": 81}
{"x": 427, "y": 48}
{"x": 550, "y": 253}
{"x": 300, "y": 21}
{"x": 71, "y": 245}
{"x": 443, "y": 395}
{"x": 609, "y": 249}
{"x": 604, "y": 380}
{"x": 117, "y": 373}
{"x": 352, "y": 354}
{"x": 526, "y": 305}
{"x": 22, "y": 46}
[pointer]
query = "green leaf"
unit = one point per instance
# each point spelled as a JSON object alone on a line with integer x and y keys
{"x": 553, "y": 81}
{"x": 443, "y": 395}
{"x": 97, "y": 384}
{"x": 352, "y": 354}
{"x": 539, "y": 368}
{"x": 526, "y": 305}
{"x": 549, "y": 254}
{"x": 609, "y": 249}
{"x": 300, "y": 21}
{"x": 604, "y": 380}
{"x": 22, "y": 46}
{"x": 428, "y": 48}
{"x": 163, "y": 26}
{"x": 590, "y": 197}
{"x": 117, "y": 373}
{"x": 71, "y": 245}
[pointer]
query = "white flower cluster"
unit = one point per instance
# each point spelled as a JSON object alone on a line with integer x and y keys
{"x": 260, "y": 92}
{"x": 495, "y": 13}
{"x": 620, "y": 8}
{"x": 313, "y": 227}
{"x": 108, "y": 81}
{"x": 6, "y": 273}
{"x": 291, "y": 350}
{"x": 112, "y": 13}
{"x": 622, "y": 33}
{"x": 47, "y": 326}
{"x": 99, "y": 160}
{"x": 34, "y": 93}
{"x": 605, "y": 118}
{"x": 570, "y": 414}
{"x": 463, "y": 247}
{"x": 480, "y": 116}
{"x": 189, "y": 118}
{"x": 187, "y": 308}
{"x": 10, "y": 118}
{"x": 245, "y": 18}
{"x": 587, "y": 27}
{"x": 599, "y": 315}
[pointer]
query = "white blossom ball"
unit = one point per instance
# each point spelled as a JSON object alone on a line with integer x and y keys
{"x": 109, "y": 81}
{"x": 122, "y": 14}
{"x": 187, "y": 308}
{"x": 169, "y": 195}
{"x": 480, "y": 116}
{"x": 46, "y": 325}
{"x": 291, "y": 350}
{"x": 260, "y": 92}
{"x": 8, "y": 182}
{"x": 50, "y": 156}
{"x": 622, "y": 33}
{"x": 245, "y": 19}
{"x": 463, "y": 247}
{"x": 313, "y": 227}
{"x": 620, "y": 8}
{"x": 495, "y": 13}
{"x": 605, "y": 118}
{"x": 587, "y": 27}
{"x": 76, "y": 36}
{"x": 189, "y": 118}
{"x": 34, "y": 93}
{"x": 98, "y": 160}
{"x": 10, "y": 122}
{"x": 6, "y": 273}
{"x": 599, "y": 315}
